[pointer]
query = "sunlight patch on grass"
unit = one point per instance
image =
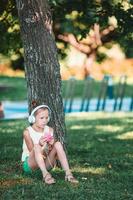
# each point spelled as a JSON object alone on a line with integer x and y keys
{"x": 126, "y": 136}
{"x": 129, "y": 155}
{"x": 13, "y": 182}
{"x": 10, "y": 131}
{"x": 15, "y": 123}
{"x": 3, "y": 130}
{"x": 84, "y": 115}
{"x": 92, "y": 170}
{"x": 96, "y": 115}
{"x": 109, "y": 128}
{"x": 78, "y": 127}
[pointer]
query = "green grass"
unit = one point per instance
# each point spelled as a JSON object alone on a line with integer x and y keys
{"x": 15, "y": 88}
{"x": 100, "y": 151}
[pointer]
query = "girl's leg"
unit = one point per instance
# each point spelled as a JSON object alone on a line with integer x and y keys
{"x": 59, "y": 151}
{"x": 64, "y": 162}
{"x": 62, "y": 156}
{"x": 51, "y": 159}
{"x": 36, "y": 160}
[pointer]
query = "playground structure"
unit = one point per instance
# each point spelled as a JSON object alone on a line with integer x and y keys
{"x": 107, "y": 99}
{"x": 110, "y": 97}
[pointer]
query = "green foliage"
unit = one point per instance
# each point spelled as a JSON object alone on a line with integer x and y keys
{"x": 18, "y": 63}
{"x": 70, "y": 16}
{"x": 100, "y": 155}
{"x": 9, "y": 28}
{"x": 90, "y": 12}
{"x": 101, "y": 57}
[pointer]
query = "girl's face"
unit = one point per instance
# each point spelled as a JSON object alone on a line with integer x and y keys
{"x": 41, "y": 117}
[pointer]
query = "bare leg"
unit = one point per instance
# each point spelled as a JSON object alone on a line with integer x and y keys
{"x": 36, "y": 160}
{"x": 50, "y": 160}
{"x": 64, "y": 162}
{"x": 62, "y": 156}
{"x": 59, "y": 151}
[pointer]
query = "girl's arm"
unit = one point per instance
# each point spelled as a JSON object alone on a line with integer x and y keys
{"x": 52, "y": 134}
{"x": 51, "y": 131}
{"x": 28, "y": 140}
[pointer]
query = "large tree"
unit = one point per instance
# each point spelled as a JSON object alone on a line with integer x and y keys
{"x": 41, "y": 62}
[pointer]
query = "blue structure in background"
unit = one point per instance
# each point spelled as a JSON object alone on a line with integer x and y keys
{"x": 110, "y": 87}
{"x": 107, "y": 99}
{"x": 110, "y": 98}
{"x": 14, "y": 110}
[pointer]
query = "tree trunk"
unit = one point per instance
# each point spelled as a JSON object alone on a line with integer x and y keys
{"x": 42, "y": 68}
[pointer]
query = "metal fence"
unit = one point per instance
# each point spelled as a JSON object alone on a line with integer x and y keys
{"x": 110, "y": 96}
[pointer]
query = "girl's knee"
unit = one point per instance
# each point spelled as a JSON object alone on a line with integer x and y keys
{"x": 58, "y": 145}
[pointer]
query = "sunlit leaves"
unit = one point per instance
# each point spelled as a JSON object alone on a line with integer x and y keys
{"x": 71, "y": 16}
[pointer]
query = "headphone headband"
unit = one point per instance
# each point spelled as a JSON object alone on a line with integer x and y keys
{"x": 31, "y": 117}
{"x": 38, "y": 107}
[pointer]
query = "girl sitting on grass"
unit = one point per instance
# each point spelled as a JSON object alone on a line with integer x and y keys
{"x": 40, "y": 150}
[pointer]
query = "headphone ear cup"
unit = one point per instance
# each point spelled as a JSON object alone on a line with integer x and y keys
{"x": 31, "y": 119}
{"x": 48, "y": 119}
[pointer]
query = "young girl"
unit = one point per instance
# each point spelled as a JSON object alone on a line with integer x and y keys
{"x": 40, "y": 150}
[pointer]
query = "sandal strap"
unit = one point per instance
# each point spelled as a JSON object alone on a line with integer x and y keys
{"x": 69, "y": 175}
{"x": 70, "y": 178}
{"x": 46, "y": 175}
{"x": 48, "y": 178}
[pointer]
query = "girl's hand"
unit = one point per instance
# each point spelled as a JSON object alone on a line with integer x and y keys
{"x": 51, "y": 142}
{"x": 48, "y": 137}
{"x": 42, "y": 141}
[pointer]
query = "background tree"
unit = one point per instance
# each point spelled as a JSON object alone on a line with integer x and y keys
{"x": 79, "y": 17}
{"x": 97, "y": 23}
{"x": 11, "y": 44}
{"x": 41, "y": 62}
{"x": 71, "y": 17}
{"x": 90, "y": 45}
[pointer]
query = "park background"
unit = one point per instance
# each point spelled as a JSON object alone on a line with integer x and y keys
{"x": 99, "y": 143}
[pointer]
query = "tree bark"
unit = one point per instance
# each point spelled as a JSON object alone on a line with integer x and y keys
{"x": 42, "y": 68}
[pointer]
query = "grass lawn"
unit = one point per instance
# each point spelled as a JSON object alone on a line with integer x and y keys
{"x": 13, "y": 88}
{"x": 100, "y": 151}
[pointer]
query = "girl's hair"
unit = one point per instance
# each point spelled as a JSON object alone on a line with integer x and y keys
{"x": 39, "y": 110}
{"x": 34, "y": 104}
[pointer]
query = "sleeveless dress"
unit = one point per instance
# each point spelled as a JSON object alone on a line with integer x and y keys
{"x": 35, "y": 136}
